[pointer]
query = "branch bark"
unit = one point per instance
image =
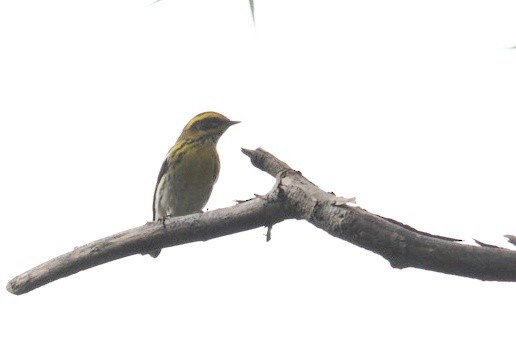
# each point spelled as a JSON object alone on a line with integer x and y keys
{"x": 292, "y": 197}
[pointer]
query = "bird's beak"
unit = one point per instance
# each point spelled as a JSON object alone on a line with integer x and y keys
{"x": 230, "y": 123}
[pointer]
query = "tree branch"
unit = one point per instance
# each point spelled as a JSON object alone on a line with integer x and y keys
{"x": 402, "y": 245}
{"x": 292, "y": 196}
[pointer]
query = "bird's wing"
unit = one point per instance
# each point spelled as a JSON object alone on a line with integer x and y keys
{"x": 162, "y": 171}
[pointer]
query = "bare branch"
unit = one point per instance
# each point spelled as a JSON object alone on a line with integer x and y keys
{"x": 292, "y": 196}
{"x": 512, "y": 238}
{"x": 255, "y": 213}
{"x": 401, "y": 245}
{"x": 483, "y": 244}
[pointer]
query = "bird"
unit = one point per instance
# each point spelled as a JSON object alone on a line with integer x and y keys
{"x": 190, "y": 170}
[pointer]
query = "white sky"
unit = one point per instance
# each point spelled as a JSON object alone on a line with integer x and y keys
{"x": 406, "y": 105}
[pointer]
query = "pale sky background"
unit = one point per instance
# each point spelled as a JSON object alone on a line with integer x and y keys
{"x": 407, "y": 105}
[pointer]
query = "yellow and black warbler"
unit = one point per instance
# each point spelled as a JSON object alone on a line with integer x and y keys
{"x": 190, "y": 169}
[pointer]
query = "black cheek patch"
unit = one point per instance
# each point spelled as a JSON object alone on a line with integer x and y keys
{"x": 208, "y": 123}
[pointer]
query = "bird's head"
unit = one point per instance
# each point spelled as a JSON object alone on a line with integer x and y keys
{"x": 207, "y": 125}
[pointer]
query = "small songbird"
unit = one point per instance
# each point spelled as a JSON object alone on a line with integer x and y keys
{"x": 190, "y": 169}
